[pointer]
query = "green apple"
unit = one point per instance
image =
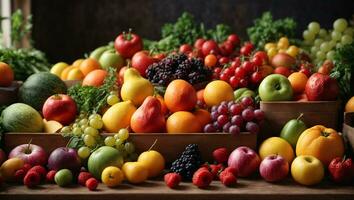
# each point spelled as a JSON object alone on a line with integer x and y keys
{"x": 63, "y": 177}
{"x": 96, "y": 54}
{"x": 103, "y": 157}
{"x": 292, "y": 130}
{"x": 307, "y": 170}
{"x": 110, "y": 58}
{"x": 243, "y": 92}
{"x": 275, "y": 87}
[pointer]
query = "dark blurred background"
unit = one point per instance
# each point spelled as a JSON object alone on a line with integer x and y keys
{"x": 67, "y": 29}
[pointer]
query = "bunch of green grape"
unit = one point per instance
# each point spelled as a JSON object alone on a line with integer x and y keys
{"x": 323, "y": 43}
{"x": 113, "y": 98}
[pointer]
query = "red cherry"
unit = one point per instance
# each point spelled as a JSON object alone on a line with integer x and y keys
{"x": 243, "y": 82}
{"x": 240, "y": 72}
{"x": 224, "y": 77}
{"x": 234, "y": 39}
{"x": 228, "y": 72}
{"x": 234, "y": 81}
{"x": 256, "y": 77}
{"x": 248, "y": 66}
{"x": 224, "y": 60}
{"x": 217, "y": 70}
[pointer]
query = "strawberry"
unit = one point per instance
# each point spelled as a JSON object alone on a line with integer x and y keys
{"x": 215, "y": 169}
{"x": 202, "y": 178}
{"x": 40, "y": 170}
{"x": 32, "y": 179}
{"x": 19, "y": 175}
{"x": 227, "y": 178}
{"x": 221, "y": 155}
{"x": 83, "y": 177}
{"x": 26, "y": 167}
{"x": 172, "y": 180}
{"x": 91, "y": 184}
{"x": 50, "y": 176}
{"x": 231, "y": 170}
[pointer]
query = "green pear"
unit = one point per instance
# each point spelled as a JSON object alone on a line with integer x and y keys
{"x": 96, "y": 54}
{"x": 292, "y": 130}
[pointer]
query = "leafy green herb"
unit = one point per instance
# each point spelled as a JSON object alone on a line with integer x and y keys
{"x": 92, "y": 99}
{"x": 265, "y": 29}
{"x": 344, "y": 69}
{"x": 186, "y": 31}
{"x": 20, "y": 27}
{"x": 24, "y": 62}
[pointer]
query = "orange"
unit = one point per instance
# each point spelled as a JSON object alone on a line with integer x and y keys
{"x": 349, "y": 107}
{"x": 95, "y": 78}
{"x": 216, "y": 92}
{"x": 75, "y": 74}
{"x": 65, "y": 72}
{"x": 77, "y": 62}
{"x": 210, "y": 60}
{"x": 200, "y": 95}
{"x": 88, "y": 65}
{"x": 180, "y": 96}
{"x": 298, "y": 81}
{"x": 183, "y": 122}
{"x": 164, "y": 108}
{"x": 323, "y": 143}
{"x": 203, "y": 116}
{"x": 6, "y": 75}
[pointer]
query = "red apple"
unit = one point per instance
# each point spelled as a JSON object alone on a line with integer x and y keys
{"x": 321, "y": 87}
{"x": 274, "y": 168}
{"x": 185, "y": 48}
{"x": 64, "y": 158}
{"x": 2, "y": 156}
{"x": 30, "y": 153}
{"x": 141, "y": 61}
{"x": 283, "y": 71}
{"x": 61, "y": 108}
{"x": 245, "y": 160}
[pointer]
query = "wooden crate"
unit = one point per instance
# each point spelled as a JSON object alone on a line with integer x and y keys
{"x": 348, "y": 129}
{"x": 315, "y": 112}
{"x": 8, "y": 95}
{"x": 170, "y": 145}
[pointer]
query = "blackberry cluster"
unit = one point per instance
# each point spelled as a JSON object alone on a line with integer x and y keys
{"x": 188, "y": 162}
{"x": 178, "y": 66}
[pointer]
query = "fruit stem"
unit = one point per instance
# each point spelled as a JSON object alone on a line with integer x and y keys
{"x": 129, "y": 36}
{"x": 300, "y": 116}
{"x": 325, "y": 134}
{"x": 28, "y": 146}
{"x": 153, "y": 145}
{"x": 67, "y": 144}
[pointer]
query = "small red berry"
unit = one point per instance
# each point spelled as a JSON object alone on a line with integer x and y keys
{"x": 227, "y": 178}
{"x": 50, "y": 176}
{"x": 91, "y": 184}
{"x": 202, "y": 178}
{"x": 32, "y": 179}
{"x": 172, "y": 180}
{"x": 19, "y": 175}
{"x": 83, "y": 177}
{"x": 40, "y": 170}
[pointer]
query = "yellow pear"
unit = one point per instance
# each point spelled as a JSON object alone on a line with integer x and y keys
{"x": 118, "y": 116}
{"x": 135, "y": 88}
{"x": 153, "y": 161}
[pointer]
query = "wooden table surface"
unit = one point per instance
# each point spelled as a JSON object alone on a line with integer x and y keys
{"x": 246, "y": 189}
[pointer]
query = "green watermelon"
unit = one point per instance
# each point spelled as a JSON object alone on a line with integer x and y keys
{"x": 38, "y": 87}
{"x": 20, "y": 117}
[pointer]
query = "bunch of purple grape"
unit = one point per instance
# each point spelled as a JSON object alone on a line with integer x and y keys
{"x": 235, "y": 117}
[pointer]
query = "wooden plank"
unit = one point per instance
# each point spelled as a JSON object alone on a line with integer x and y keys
{"x": 246, "y": 189}
{"x": 169, "y": 145}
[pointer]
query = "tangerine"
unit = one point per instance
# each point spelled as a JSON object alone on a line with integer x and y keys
{"x": 95, "y": 78}
{"x": 6, "y": 75}
{"x": 349, "y": 106}
{"x": 65, "y": 72}
{"x": 88, "y": 65}
{"x": 216, "y": 92}
{"x": 298, "y": 81}
{"x": 203, "y": 116}
{"x": 183, "y": 122}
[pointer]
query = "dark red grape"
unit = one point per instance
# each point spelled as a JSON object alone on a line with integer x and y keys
{"x": 247, "y": 115}
{"x": 247, "y": 101}
{"x": 222, "y": 120}
{"x": 234, "y": 130}
{"x": 214, "y": 116}
{"x": 252, "y": 127}
{"x": 236, "y": 109}
{"x": 224, "y": 103}
{"x": 237, "y": 120}
{"x": 240, "y": 72}
{"x": 230, "y": 103}
{"x": 243, "y": 82}
{"x": 222, "y": 109}
{"x": 209, "y": 128}
{"x": 258, "y": 114}
{"x": 226, "y": 127}
{"x": 214, "y": 109}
